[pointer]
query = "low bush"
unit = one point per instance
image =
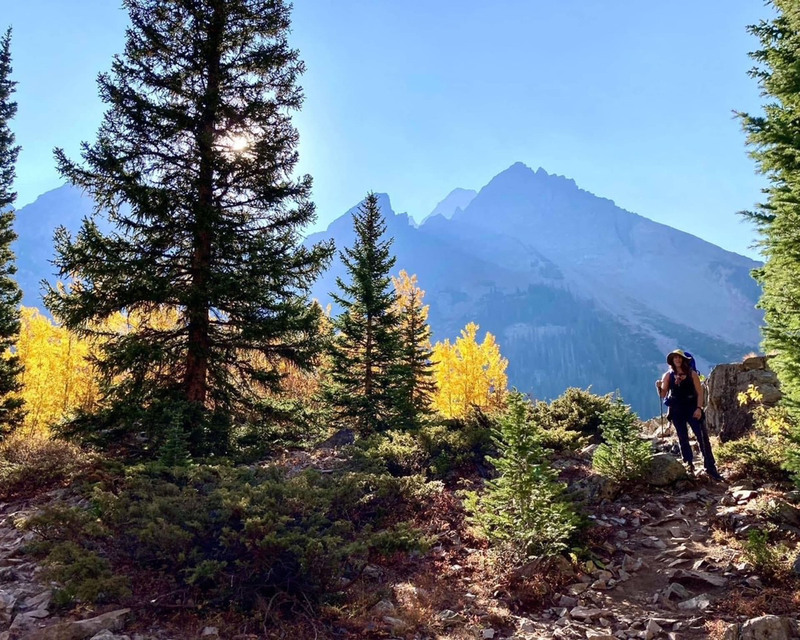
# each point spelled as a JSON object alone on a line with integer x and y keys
{"x": 576, "y": 410}
{"x": 453, "y": 444}
{"x": 766, "y": 453}
{"x": 771, "y": 562}
{"x": 756, "y": 456}
{"x": 31, "y": 462}
{"x": 230, "y": 537}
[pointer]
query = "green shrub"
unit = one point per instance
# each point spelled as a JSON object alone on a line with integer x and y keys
{"x": 766, "y": 453}
{"x": 770, "y": 561}
{"x": 575, "y": 410}
{"x": 453, "y": 444}
{"x": 523, "y": 512}
{"x": 398, "y": 452}
{"x": 622, "y": 456}
{"x": 86, "y": 576}
{"x": 756, "y": 456}
{"x": 232, "y": 536}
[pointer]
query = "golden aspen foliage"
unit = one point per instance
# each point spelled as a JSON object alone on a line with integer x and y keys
{"x": 469, "y": 374}
{"x": 58, "y": 377}
{"x": 416, "y": 384}
{"x": 409, "y": 295}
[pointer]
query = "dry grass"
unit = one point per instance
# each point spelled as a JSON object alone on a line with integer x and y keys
{"x": 33, "y": 462}
{"x": 776, "y": 600}
{"x": 716, "y": 629}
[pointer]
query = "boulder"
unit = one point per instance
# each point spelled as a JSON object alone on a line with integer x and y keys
{"x": 763, "y": 628}
{"x": 81, "y": 629}
{"x": 664, "y": 470}
{"x": 781, "y": 512}
{"x": 724, "y": 415}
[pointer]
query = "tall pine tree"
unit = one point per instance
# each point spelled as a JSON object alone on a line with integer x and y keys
{"x": 366, "y": 347}
{"x": 194, "y": 164}
{"x": 415, "y": 384}
{"x": 774, "y": 138}
{"x": 11, "y": 412}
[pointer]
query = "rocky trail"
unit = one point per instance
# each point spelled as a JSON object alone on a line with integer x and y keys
{"x": 664, "y": 563}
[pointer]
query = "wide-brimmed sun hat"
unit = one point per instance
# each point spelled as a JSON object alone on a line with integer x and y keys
{"x": 677, "y": 352}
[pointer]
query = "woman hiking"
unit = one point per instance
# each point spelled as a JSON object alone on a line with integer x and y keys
{"x": 684, "y": 396}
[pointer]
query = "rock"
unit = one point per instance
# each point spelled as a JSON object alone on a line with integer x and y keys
{"x": 630, "y": 565}
{"x": 7, "y": 602}
{"x": 526, "y": 626}
{"x": 698, "y": 602}
{"x": 383, "y": 608}
{"x": 652, "y": 630}
{"x": 595, "y": 488}
{"x": 781, "y": 512}
{"x": 676, "y": 591}
{"x": 724, "y": 415}
{"x": 448, "y": 617}
{"x": 394, "y": 623}
{"x": 341, "y": 438}
{"x": 21, "y": 625}
{"x": 763, "y": 628}
{"x": 585, "y": 613}
{"x": 664, "y": 470}
{"x": 371, "y": 571}
{"x": 81, "y": 629}
{"x": 567, "y": 601}
{"x": 108, "y": 635}
{"x": 487, "y": 634}
{"x": 578, "y": 588}
{"x": 690, "y": 577}
{"x": 39, "y": 601}
{"x": 654, "y": 543}
{"x": 209, "y": 632}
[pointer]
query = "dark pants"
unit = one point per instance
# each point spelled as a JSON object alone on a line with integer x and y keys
{"x": 680, "y": 421}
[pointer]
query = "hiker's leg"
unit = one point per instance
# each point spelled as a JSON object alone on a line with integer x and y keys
{"x": 679, "y": 422}
{"x": 701, "y": 433}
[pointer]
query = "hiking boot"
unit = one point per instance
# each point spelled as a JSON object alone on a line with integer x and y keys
{"x": 689, "y": 466}
{"x": 715, "y": 475}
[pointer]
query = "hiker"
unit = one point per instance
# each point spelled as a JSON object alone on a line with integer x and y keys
{"x": 684, "y": 396}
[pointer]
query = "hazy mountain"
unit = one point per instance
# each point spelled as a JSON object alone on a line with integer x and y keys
{"x": 457, "y": 200}
{"x": 35, "y": 224}
{"x": 578, "y": 291}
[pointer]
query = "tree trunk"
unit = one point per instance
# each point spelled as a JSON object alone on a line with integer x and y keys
{"x": 198, "y": 306}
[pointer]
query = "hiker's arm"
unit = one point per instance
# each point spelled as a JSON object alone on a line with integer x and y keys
{"x": 663, "y": 385}
{"x": 700, "y": 399}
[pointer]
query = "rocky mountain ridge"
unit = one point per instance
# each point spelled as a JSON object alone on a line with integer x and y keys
{"x": 577, "y": 291}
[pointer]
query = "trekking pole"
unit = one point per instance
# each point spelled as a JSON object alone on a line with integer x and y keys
{"x": 661, "y": 410}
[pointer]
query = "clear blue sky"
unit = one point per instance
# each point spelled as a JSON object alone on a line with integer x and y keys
{"x": 632, "y": 99}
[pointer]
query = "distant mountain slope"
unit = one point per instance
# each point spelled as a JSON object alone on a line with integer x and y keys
{"x": 35, "y": 224}
{"x": 578, "y": 291}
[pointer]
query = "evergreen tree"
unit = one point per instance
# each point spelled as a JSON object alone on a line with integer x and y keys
{"x": 622, "y": 456}
{"x": 193, "y": 164}
{"x": 11, "y": 412}
{"x": 415, "y": 385}
{"x": 365, "y": 350}
{"x": 775, "y": 141}
{"x": 524, "y": 510}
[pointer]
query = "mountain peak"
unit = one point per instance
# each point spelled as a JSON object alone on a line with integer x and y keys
{"x": 456, "y": 200}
